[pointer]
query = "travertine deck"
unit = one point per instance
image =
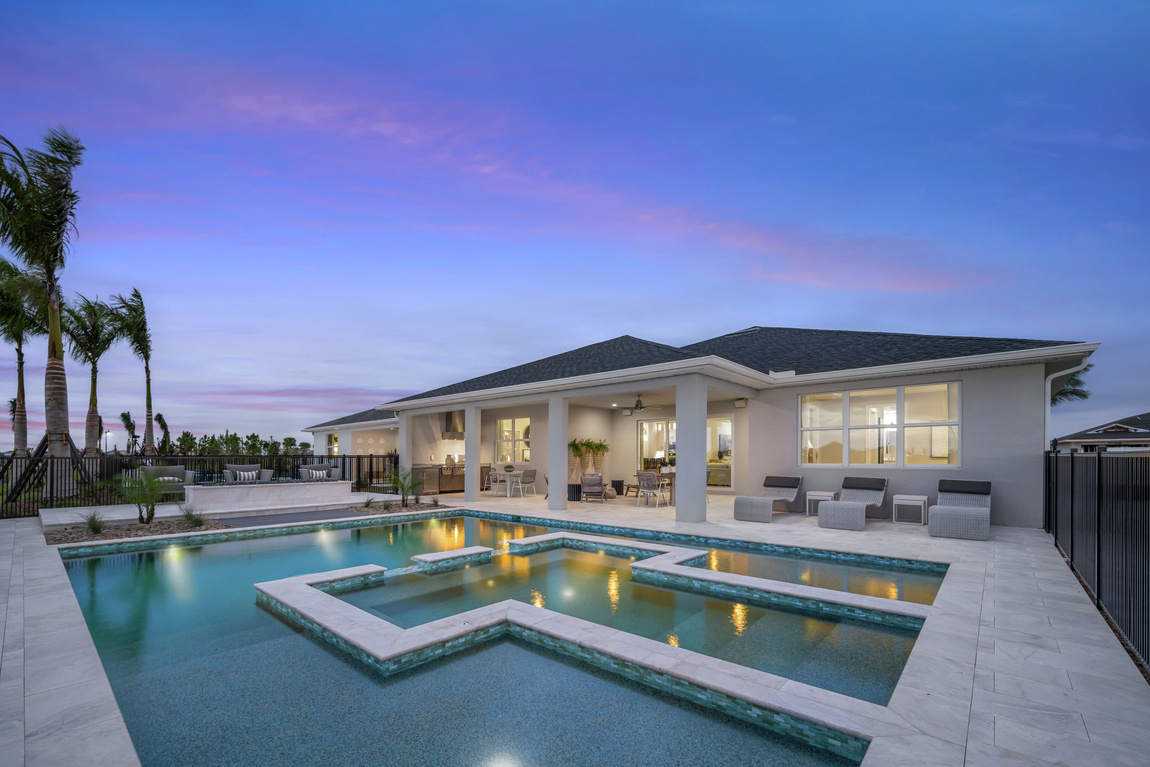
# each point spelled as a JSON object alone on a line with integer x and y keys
{"x": 1030, "y": 674}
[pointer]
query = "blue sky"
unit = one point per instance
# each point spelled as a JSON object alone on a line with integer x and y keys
{"x": 329, "y": 206}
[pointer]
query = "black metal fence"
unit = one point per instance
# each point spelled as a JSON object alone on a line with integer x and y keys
{"x": 1097, "y": 507}
{"x": 60, "y": 482}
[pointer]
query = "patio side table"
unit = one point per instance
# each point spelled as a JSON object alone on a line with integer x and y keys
{"x": 818, "y": 496}
{"x": 907, "y": 502}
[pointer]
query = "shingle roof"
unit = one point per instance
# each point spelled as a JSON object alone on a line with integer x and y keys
{"x": 760, "y": 348}
{"x": 366, "y": 415}
{"x": 1135, "y": 422}
{"x": 818, "y": 351}
{"x": 617, "y": 354}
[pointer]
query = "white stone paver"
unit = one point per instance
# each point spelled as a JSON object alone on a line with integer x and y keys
{"x": 1020, "y": 650}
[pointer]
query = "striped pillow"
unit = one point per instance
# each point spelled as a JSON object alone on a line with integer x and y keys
{"x": 318, "y": 474}
{"x": 247, "y": 476}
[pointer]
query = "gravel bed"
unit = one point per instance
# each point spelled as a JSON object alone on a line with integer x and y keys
{"x": 377, "y": 508}
{"x": 81, "y": 533}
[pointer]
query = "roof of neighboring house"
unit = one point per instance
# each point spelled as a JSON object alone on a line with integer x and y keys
{"x": 1135, "y": 428}
{"x": 819, "y": 351}
{"x": 617, "y": 354}
{"x": 364, "y": 417}
{"x": 762, "y": 349}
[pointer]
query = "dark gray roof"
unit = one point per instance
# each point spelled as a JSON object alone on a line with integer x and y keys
{"x": 818, "y": 351}
{"x": 366, "y": 415}
{"x": 1134, "y": 422}
{"x": 759, "y": 348}
{"x": 617, "y": 354}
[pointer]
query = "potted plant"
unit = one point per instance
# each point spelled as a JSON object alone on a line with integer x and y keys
{"x": 575, "y": 453}
{"x": 598, "y": 448}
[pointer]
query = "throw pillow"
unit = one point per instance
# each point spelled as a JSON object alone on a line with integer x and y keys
{"x": 318, "y": 474}
{"x": 170, "y": 479}
{"x": 247, "y": 476}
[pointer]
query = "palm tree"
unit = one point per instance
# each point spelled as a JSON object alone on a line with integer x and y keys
{"x": 18, "y": 322}
{"x": 130, "y": 427}
{"x": 92, "y": 328}
{"x": 134, "y": 326}
{"x": 37, "y": 220}
{"x": 1072, "y": 390}
{"x": 166, "y": 440}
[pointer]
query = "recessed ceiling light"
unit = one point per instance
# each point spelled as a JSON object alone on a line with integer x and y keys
{"x": 614, "y": 405}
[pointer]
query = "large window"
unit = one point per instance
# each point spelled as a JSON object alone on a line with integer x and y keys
{"x": 656, "y": 444}
{"x": 895, "y": 426}
{"x": 513, "y": 440}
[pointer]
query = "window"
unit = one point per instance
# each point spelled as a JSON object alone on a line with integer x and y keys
{"x": 656, "y": 444}
{"x": 333, "y": 444}
{"x": 895, "y": 426}
{"x": 513, "y": 440}
{"x": 821, "y": 437}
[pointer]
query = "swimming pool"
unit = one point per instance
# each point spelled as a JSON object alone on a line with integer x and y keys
{"x": 862, "y": 660}
{"x": 203, "y": 676}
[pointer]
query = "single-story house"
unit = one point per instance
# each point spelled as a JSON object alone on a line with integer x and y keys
{"x": 1131, "y": 433}
{"x": 731, "y": 410}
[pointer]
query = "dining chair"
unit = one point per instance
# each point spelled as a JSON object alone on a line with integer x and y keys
{"x": 527, "y": 478}
{"x": 649, "y": 485}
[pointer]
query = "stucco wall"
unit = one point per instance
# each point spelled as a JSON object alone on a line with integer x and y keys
{"x": 368, "y": 441}
{"x": 1002, "y": 431}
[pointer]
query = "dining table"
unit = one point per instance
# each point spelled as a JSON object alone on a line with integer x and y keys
{"x": 507, "y": 477}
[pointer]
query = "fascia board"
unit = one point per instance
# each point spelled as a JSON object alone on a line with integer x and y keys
{"x": 997, "y": 359}
{"x": 356, "y": 425}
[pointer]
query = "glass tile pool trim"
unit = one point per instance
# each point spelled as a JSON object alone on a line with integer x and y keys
{"x": 71, "y": 551}
{"x": 812, "y": 733}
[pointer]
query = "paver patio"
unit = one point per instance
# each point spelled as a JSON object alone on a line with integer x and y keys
{"x": 1028, "y": 674}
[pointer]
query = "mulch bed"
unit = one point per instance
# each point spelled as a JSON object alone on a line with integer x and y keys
{"x": 81, "y": 533}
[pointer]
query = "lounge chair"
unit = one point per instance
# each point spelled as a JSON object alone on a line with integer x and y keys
{"x": 306, "y": 470}
{"x": 962, "y": 511}
{"x": 232, "y": 469}
{"x": 849, "y": 511}
{"x": 592, "y": 486}
{"x": 173, "y": 477}
{"x": 777, "y": 493}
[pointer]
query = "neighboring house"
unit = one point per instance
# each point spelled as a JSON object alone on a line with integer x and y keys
{"x": 819, "y": 404}
{"x": 1131, "y": 433}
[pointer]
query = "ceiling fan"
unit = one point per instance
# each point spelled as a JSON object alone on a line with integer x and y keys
{"x": 639, "y": 407}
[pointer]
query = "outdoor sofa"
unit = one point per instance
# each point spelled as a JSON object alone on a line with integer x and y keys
{"x": 173, "y": 477}
{"x": 962, "y": 511}
{"x": 231, "y": 470}
{"x": 777, "y": 493}
{"x": 849, "y": 512}
{"x": 328, "y": 471}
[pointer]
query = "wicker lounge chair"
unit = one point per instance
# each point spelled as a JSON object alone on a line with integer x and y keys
{"x": 173, "y": 477}
{"x": 777, "y": 493}
{"x": 849, "y": 512}
{"x": 963, "y": 510}
{"x": 592, "y": 486}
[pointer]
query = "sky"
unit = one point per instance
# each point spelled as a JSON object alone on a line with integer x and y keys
{"x": 327, "y": 206}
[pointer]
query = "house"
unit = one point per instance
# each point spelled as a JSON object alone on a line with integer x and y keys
{"x": 820, "y": 404}
{"x": 1131, "y": 433}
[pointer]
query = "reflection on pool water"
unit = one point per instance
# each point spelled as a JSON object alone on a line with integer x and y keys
{"x": 908, "y": 586}
{"x": 862, "y": 660}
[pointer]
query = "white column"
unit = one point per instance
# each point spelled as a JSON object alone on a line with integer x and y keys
{"x": 557, "y": 411}
{"x": 741, "y": 483}
{"x": 691, "y": 450}
{"x": 472, "y": 423}
{"x": 404, "y": 446}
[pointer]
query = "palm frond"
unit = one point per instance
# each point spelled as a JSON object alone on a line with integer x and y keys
{"x": 1074, "y": 389}
{"x": 133, "y": 322}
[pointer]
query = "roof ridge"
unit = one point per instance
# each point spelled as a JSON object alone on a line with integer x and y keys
{"x": 756, "y": 328}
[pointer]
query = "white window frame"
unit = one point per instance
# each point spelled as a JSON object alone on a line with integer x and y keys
{"x": 511, "y": 441}
{"x": 900, "y": 427}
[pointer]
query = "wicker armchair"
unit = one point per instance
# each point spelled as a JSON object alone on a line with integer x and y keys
{"x": 593, "y": 488}
{"x": 849, "y": 512}
{"x": 963, "y": 510}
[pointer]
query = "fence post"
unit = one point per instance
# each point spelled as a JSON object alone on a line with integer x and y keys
{"x": 1069, "y": 551}
{"x": 1098, "y": 528}
{"x": 1054, "y": 450}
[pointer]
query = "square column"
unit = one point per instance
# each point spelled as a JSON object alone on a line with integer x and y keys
{"x": 557, "y": 412}
{"x": 404, "y": 445}
{"x": 472, "y": 423}
{"x": 691, "y": 450}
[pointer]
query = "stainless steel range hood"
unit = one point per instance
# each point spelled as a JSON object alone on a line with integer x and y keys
{"x": 453, "y": 424}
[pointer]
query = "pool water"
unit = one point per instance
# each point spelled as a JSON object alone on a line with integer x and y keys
{"x": 863, "y": 660}
{"x": 892, "y": 583}
{"x": 203, "y": 676}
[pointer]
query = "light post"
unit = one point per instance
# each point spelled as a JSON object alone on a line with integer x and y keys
{"x": 106, "y": 435}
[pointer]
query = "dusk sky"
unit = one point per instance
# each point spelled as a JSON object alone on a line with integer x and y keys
{"x": 327, "y": 206}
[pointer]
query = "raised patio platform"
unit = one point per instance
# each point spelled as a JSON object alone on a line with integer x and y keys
{"x": 266, "y": 495}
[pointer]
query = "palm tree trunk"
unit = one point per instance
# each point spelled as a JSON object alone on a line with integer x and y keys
{"x": 149, "y": 444}
{"x": 20, "y": 419}
{"x": 92, "y": 424}
{"x": 55, "y": 383}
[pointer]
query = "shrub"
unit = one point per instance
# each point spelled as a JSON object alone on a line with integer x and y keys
{"x": 387, "y": 505}
{"x": 145, "y": 493}
{"x": 407, "y": 485}
{"x": 94, "y": 521}
{"x": 191, "y": 516}
{"x": 368, "y": 502}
